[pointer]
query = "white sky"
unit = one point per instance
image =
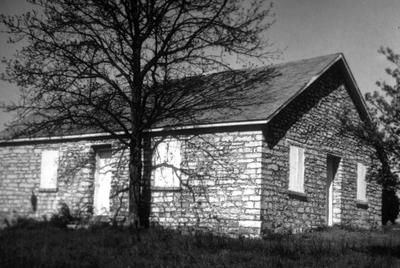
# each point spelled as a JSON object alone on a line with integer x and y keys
{"x": 304, "y": 29}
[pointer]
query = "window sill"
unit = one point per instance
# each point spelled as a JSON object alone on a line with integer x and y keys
{"x": 297, "y": 195}
{"x": 362, "y": 204}
{"x": 48, "y": 190}
{"x": 166, "y": 189}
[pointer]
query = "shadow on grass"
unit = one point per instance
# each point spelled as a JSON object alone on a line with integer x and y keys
{"x": 384, "y": 250}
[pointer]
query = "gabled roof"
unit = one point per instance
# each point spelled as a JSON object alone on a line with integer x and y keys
{"x": 273, "y": 87}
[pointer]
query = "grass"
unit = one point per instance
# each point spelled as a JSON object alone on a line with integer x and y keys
{"x": 43, "y": 245}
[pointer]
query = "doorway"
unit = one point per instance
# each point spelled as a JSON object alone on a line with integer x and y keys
{"x": 102, "y": 183}
{"x": 332, "y": 167}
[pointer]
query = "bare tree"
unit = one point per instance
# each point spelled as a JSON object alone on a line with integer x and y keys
{"x": 118, "y": 66}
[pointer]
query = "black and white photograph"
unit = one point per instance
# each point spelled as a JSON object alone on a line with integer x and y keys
{"x": 199, "y": 133}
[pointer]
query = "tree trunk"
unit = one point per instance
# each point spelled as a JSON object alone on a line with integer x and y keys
{"x": 139, "y": 190}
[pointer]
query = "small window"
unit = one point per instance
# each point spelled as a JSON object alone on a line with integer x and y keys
{"x": 361, "y": 182}
{"x": 167, "y": 164}
{"x": 48, "y": 171}
{"x": 296, "y": 173}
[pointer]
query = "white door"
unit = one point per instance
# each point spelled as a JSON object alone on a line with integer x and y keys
{"x": 332, "y": 168}
{"x": 102, "y": 183}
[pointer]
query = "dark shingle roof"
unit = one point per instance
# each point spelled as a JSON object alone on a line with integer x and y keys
{"x": 272, "y": 87}
{"x": 265, "y": 91}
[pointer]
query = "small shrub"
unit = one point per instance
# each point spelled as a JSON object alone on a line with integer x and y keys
{"x": 62, "y": 218}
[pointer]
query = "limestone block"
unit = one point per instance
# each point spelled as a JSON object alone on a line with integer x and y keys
{"x": 250, "y": 224}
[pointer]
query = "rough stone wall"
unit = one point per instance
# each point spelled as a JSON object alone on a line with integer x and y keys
{"x": 20, "y": 179}
{"x": 312, "y": 121}
{"x": 221, "y": 189}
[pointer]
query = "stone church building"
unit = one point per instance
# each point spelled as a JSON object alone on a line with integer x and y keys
{"x": 282, "y": 165}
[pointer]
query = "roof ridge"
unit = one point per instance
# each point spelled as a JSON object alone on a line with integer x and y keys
{"x": 274, "y": 65}
{"x": 297, "y": 61}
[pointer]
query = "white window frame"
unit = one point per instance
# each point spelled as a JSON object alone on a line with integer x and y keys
{"x": 361, "y": 182}
{"x": 296, "y": 169}
{"x": 49, "y": 170}
{"x": 166, "y": 163}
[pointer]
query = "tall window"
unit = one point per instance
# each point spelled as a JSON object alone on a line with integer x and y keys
{"x": 48, "y": 170}
{"x": 361, "y": 182}
{"x": 102, "y": 182}
{"x": 166, "y": 163}
{"x": 296, "y": 173}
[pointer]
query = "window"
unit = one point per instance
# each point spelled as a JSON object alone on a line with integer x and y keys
{"x": 48, "y": 170}
{"x": 361, "y": 182}
{"x": 166, "y": 164}
{"x": 102, "y": 182}
{"x": 296, "y": 172}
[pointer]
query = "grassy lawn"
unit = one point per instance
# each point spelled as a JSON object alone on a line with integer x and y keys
{"x": 42, "y": 245}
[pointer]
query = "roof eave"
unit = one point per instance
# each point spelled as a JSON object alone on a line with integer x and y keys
{"x": 355, "y": 90}
{"x": 158, "y": 130}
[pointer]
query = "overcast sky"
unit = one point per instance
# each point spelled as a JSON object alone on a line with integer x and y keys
{"x": 304, "y": 29}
